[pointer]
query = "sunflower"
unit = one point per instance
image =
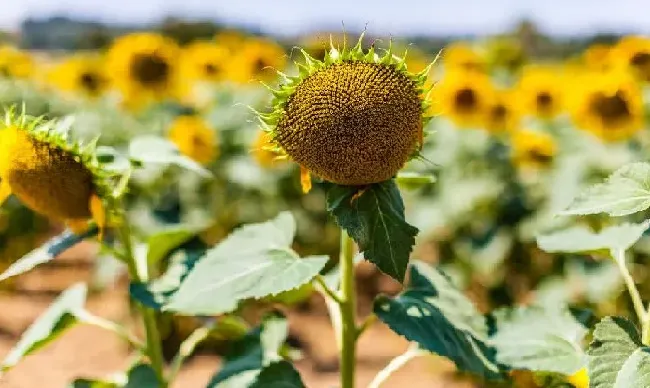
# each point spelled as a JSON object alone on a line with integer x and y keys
{"x": 81, "y": 74}
{"x": 264, "y": 152}
{"x": 61, "y": 181}
{"x": 231, "y": 40}
{"x": 204, "y": 61}
{"x": 502, "y": 115}
{"x": 353, "y": 119}
{"x": 633, "y": 52}
{"x": 580, "y": 379}
{"x": 194, "y": 138}
{"x": 532, "y": 149}
{"x": 463, "y": 96}
{"x": 15, "y": 63}
{"x": 598, "y": 57}
{"x": 609, "y": 105}
{"x": 258, "y": 59}
{"x": 144, "y": 67}
{"x": 461, "y": 55}
{"x": 539, "y": 92}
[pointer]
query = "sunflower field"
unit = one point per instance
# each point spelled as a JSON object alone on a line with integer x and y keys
{"x": 337, "y": 211}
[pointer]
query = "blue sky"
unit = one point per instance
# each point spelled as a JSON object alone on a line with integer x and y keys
{"x": 382, "y": 16}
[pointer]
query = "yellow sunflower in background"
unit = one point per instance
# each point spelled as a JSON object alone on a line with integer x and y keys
{"x": 231, "y": 40}
{"x": 15, "y": 63}
{"x": 539, "y": 91}
{"x": 463, "y": 97}
{"x": 204, "y": 61}
{"x": 580, "y": 379}
{"x": 263, "y": 151}
{"x": 609, "y": 105}
{"x": 633, "y": 53}
{"x": 463, "y": 56}
{"x": 59, "y": 180}
{"x": 144, "y": 67}
{"x": 502, "y": 114}
{"x": 81, "y": 74}
{"x": 532, "y": 149}
{"x": 194, "y": 138}
{"x": 598, "y": 57}
{"x": 257, "y": 59}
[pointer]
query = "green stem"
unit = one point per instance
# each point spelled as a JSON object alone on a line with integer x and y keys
{"x": 187, "y": 348}
{"x": 347, "y": 306}
{"x": 645, "y": 328}
{"x": 154, "y": 343}
{"x": 619, "y": 258}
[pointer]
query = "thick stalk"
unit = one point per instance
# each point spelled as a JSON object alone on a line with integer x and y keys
{"x": 153, "y": 345}
{"x": 347, "y": 307}
{"x": 619, "y": 257}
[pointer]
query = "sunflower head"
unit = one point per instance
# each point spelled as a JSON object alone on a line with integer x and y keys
{"x": 633, "y": 53}
{"x": 15, "y": 63}
{"x": 83, "y": 75}
{"x": 204, "y": 61}
{"x": 502, "y": 114}
{"x": 540, "y": 92}
{"x": 462, "y": 56}
{"x": 354, "y": 118}
{"x": 59, "y": 180}
{"x": 464, "y": 97}
{"x": 257, "y": 59}
{"x": 609, "y": 105}
{"x": 194, "y": 138}
{"x": 598, "y": 57}
{"x": 144, "y": 66}
{"x": 532, "y": 149}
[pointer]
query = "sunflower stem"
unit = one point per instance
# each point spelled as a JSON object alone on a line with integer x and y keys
{"x": 637, "y": 302}
{"x": 153, "y": 344}
{"x": 347, "y": 306}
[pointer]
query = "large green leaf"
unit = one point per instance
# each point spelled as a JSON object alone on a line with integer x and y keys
{"x": 160, "y": 244}
{"x": 47, "y": 252}
{"x": 249, "y": 355}
{"x": 539, "y": 339}
{"x": 253, "y": 262}
{"x": 142, "y": 376}
{"x": 156, "y": 150}
{"x": 52, "y": 323}
{"x": 433, "y": 313}
{"x": 280, "y": 374}
{"x": 374, "y": 217}
{"x": 617, "y": 358}
{"x": 581, "y": 239}
{"x": 626, "y": 191}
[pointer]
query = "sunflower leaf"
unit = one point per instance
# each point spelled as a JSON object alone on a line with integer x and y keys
{"x": 374, "y": 217}
{"x": 280, "y": 374}
{"x": 617, "y": 358}
{"x": 52, "y": 323}
{"x": 255, "y": 261}
{"x": 441, "y": 320}
{"x": 626, "y": 191}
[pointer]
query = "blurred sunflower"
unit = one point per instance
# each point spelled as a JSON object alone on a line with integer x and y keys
{"x": 15, "y": 63}
{"x": 194, "y": 138}
{"x": 81, "y": 74}
{"x": 460, "y": 55}
{"x": 505, "y": 53}
{"x": 598, "y": 57}
{"x": 633, "y": 52}
{"x": 539, "y": 92}
{"x": 258, "y": 59}
{"x": 502, "y": 115}
{"x": 204, "y": 61}
{"x": 61, "y": 181}
{"x": 532, "y": 149}
{"x": 580, "y": 379}
{"x": 144, "y": 67}
{"x": 231, "y": 40}
{"x": 463, "y": 96}
{"x": 609, "y": 105}
{"x": 263, "y": 151}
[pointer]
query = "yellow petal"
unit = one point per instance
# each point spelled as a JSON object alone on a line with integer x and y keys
{"x": 305, "y": 180}
{"x": 77, "y": 226}
{"x": 99, "y": 214}
{"x": 5, "y": 191}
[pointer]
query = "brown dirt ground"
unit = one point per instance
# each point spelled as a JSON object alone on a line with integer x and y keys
{"x": 86, "y": 351}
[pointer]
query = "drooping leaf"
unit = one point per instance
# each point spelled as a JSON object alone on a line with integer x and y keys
{"x": 160, "y": 244}
{"x": 142, "y": 376}
{"x": 539, "y": 339}
{"x": 156, "y": 150}
{"x": 253, "y": 262}
{"x": 617, "y": 358}
{"x": 626, "y": 191}
{"x": 280, "y": 374}
{"x": 580, "y": 239}
{"x": 374, "y": 217}
{"x": 52, "y": 323}
{"x": 47, "y": 252}
{"x": 433, "y": 313}
{"x": 250, "y": 354}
